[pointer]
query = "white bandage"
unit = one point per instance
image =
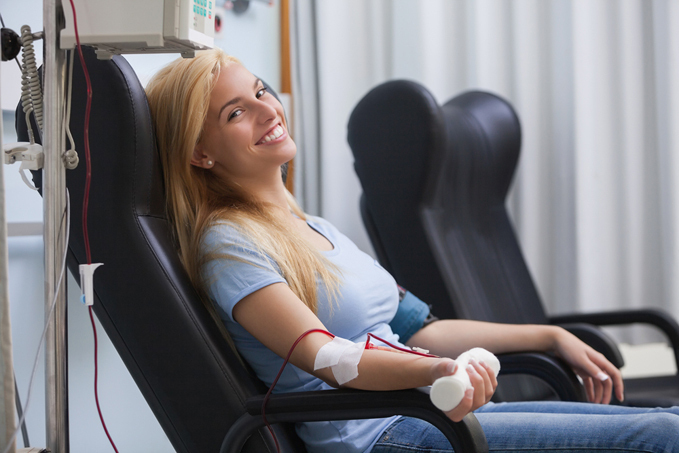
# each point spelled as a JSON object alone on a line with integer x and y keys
{"x": 447, "y": 392}
{"x": 342, "y": 356}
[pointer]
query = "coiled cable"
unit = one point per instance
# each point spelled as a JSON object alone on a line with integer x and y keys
{"x": 31, "y": 93}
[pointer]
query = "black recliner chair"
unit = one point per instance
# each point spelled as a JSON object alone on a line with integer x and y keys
{"x": 434, "y": 180}
{"x": 203, "y": 395}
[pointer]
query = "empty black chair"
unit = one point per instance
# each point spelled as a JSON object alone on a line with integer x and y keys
{"x": 434, "y": 183}
{"x": 202, "y": 394}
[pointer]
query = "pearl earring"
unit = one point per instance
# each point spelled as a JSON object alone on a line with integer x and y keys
{"x": 209, "y": 163}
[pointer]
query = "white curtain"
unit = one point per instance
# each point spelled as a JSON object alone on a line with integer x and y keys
{"x": 595, "y": 200}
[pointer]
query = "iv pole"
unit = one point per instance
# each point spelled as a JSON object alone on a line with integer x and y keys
{"x": 54, "y": 204}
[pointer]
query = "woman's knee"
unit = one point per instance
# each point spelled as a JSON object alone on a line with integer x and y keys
{"x": 660, "y": 430}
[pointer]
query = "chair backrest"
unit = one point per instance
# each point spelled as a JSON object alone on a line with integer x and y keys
{"x": 173, "y": 348}
{"x": 465, "y": 216}
{"x": 435, "y": 181}
{"x": 396, "y": 133}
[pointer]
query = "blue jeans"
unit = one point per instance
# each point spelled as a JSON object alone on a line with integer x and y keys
{"x": 544, "y": 426}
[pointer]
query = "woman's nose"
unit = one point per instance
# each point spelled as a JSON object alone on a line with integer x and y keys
{"x": 267, "y": 112}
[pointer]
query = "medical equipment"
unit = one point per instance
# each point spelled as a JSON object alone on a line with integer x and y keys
{"x": 86, "y": 286}
{"x": 30, "y": 154}
{"x": 11, "y": 44}
{"x": 31, "y": 92}
{"x": 240, "y": 6}
{"x": 150, "y": 26}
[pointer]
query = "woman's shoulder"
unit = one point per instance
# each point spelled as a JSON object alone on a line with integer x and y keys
{"x": 222, "y": 228}
{"x": 225, "y": 232}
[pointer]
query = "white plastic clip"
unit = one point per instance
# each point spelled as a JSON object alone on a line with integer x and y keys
{"x": 30, "y": 155}
{"x": 86, "y": 273}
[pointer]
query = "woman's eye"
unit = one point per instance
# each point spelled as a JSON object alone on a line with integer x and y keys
{"x": 261, "y": 92}
{"x": 235, "y": 113}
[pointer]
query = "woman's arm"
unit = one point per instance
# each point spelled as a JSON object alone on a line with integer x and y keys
{"x": 452, "y": 337}
{"x": 277, "y": 317}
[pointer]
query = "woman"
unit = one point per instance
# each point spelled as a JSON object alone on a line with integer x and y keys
{"x": 273, "y": 273}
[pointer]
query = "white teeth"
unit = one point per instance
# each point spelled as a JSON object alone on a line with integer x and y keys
{"x": 277, "y": 132}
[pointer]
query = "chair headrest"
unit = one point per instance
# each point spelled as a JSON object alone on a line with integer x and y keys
{"x": 384, "y": 127}
{"x": 483, "y": 136}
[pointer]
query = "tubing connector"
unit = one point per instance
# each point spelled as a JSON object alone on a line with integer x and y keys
{"x": 86, "y": 286}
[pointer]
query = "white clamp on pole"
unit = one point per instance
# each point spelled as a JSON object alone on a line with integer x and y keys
{"x": 30, "y": 155}
{"x": 86, "y": 287}
{"x": 447, "y": 392}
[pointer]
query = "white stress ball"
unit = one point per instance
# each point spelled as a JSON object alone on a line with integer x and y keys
{"x": 447, "y": 391}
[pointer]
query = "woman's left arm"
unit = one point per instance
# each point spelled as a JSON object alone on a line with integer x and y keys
{"x": 451, "y": 337}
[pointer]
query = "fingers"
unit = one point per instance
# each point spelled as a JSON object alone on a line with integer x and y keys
{"x": 606, "y": 389}
{"x": 589, "y": 387}
{"x": 608, "y": 376}
{"x": 479, "y": 383}
{"x": 598, "y": 383}
{"x": 462, "y": 409}
{"x": 489, "y": 379}
{"x": 484, "y": 385}
{"x": 599, "y": 388}
{"x": 443, "y": 367}
{"x": 599, "y": 375}
{"x": 483, "y": 382}
{"x": 619, "y": 389}
{"x": 491, "y": 374}
{"x": 616, "y": 382}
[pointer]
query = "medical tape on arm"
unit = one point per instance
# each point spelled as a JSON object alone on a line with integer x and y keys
{"x": 342, "y": 356}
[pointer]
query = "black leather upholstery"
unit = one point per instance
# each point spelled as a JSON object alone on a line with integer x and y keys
{"x": 393, "y": 153}
{"x": 175, "y": 351}
{"x": 452, "y": 237}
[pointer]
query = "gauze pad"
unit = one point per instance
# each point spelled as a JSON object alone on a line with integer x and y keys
{"x": 342, "y": 356}
{"x": 447, "y": 392}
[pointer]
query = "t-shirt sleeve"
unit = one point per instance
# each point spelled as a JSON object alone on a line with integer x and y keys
{"x": 237, "y": 268}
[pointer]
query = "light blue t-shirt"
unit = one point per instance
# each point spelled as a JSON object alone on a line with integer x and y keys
{"x": 367, "y": 302}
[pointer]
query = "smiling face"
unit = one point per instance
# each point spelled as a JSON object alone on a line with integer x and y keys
{"x": 245, "y": 137}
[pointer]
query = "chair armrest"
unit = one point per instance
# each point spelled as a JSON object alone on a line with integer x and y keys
{"x": 346, "y": 404}
{"x": 548, "y": 368}
{"x": 654, "y": 317}
{"x": 598, "y": 339}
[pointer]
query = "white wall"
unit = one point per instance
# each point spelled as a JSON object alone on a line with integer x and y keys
{"x": 253, "y": 37}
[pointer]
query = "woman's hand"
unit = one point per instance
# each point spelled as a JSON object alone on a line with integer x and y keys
{"x": 450, "y": 337}
{"x": 599, "y": 375}
{"x": 483, "y": 382}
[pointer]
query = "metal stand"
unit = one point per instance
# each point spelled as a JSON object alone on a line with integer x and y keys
{"x": 54, "y": 203}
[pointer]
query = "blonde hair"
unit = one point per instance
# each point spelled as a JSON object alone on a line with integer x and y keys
{"x": 179, "y": 96}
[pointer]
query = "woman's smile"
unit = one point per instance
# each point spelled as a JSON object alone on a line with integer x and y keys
{"x": 274, "y": 135}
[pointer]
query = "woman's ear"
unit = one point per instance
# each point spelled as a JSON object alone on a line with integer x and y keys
{"x": 200, "y": 159}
